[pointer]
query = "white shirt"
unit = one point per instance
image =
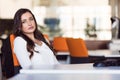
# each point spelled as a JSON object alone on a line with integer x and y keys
{"x": 44, "y": 57}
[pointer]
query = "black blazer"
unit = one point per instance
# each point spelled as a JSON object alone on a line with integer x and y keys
{"x": 8, "y": 68}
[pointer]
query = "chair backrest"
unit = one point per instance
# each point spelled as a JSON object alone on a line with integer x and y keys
{"x": 15, "y": 60}
{"x": 46, "y": 36}
{"x": 10, "y": 63}
{"x": 77, "y": 47}
{"x": 59, "y": 44}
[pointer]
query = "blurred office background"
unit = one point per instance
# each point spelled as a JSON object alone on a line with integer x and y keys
{"x": 87, "y": 19}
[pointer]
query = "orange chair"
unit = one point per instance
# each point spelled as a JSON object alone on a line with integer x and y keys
{"x": 46, "y": 36}
{"x": 10, "y": 64}
{"x": 15, "y": 60}
{"x": 78, "y": 50}
{"x": 59, "y": 44}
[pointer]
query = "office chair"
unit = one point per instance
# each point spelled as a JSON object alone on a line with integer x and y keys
{"x": 10, "y": 64}
{"x": 78, "y": 51}
{"x": 59, "y": 44}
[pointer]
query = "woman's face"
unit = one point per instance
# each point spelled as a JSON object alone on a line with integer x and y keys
{"x": 28, "y": 23}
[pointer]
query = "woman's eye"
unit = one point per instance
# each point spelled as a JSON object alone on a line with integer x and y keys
{"x": 31, "y": 19}
{"x": 23, "y": 22}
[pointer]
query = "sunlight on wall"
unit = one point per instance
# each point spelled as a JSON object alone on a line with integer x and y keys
{"x": 75, "y": 16}
{"x": 74, "y": 20}
{"x": 9, "y": 7}
{"x": 40, "y": 14}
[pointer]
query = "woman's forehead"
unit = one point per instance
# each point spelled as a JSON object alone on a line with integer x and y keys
{"x": 26, "y": 15}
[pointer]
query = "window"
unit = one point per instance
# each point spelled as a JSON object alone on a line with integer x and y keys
{"x": 89, "y": 21}
{"x": 75, "y": 20}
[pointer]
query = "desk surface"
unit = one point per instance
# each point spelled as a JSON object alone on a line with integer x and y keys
{"x": 106, "y": 53}
{"x": 69, "y": 68}
{"x": 69, "y": 72}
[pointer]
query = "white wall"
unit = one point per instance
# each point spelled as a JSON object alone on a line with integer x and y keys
{"x": 9, "y": 7}
{"x": 90, "y": 2}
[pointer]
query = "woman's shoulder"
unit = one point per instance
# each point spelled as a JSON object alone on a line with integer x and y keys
{"x": 19, "y": 39}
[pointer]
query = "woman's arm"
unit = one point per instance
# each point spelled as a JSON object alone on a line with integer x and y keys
{"x": 21, "y": 52}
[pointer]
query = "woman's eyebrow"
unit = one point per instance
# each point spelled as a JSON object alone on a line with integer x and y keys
{"x": 23, "y": 20}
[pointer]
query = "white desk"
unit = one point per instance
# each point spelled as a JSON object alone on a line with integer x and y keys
{"x": 106, "y": 53}
{"x": 69, "y": 72}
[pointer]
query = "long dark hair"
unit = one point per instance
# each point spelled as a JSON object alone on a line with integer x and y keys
{"x": 17, "y": 31}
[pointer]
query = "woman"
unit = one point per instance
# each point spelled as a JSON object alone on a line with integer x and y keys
{"x": 30, "y": 46}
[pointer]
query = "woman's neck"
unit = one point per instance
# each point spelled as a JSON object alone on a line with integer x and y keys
{"x": 31, "y": 36}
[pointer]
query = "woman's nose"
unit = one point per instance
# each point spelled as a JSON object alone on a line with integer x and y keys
{"x": 29, "y": 23}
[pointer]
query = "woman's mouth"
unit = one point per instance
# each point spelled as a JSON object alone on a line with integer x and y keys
{"x": 31, "y": 27}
